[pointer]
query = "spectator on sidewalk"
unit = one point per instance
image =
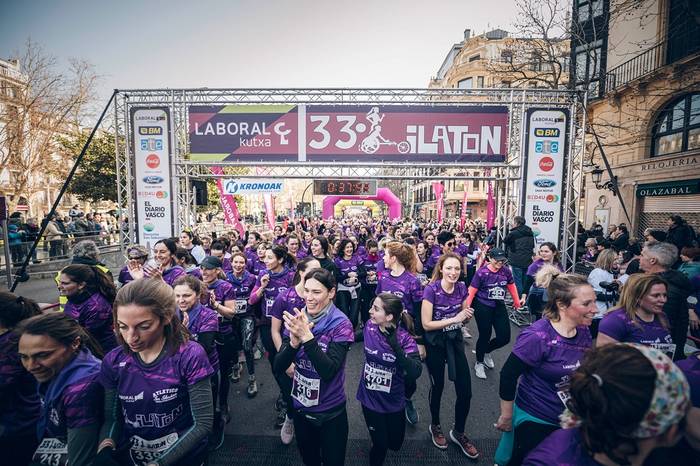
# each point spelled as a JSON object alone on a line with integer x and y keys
{"x": 680, "y": 234}
{"x": 520, "y": 246}
{"x": 54, "y": 236}
{"x": 31, "y": 233}
{"x": 621, "y": 241}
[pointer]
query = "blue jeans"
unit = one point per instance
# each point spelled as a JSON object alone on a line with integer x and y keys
{"x": 518, "y": 276}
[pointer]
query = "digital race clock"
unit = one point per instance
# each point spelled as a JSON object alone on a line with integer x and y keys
{"x": 345, "y": 187}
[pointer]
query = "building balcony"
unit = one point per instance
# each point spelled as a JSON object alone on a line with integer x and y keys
{"x": 675, "y": 49}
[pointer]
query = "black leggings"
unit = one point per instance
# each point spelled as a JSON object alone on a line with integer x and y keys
{"x": 526, "y": 437}
{"x": 436, "y": 358}
{"x": 487, "y": 318}
{"x": 244, "y": 328}
{"x": 283, "y": 381}
{"x": 228, "y": 356}
{"x": 367, "y": 295}
{"x": 349, "y": 306}
{"x": 386, "y": 430}
{"x": 18, "y": 448}
{"x": 324, "y": 444}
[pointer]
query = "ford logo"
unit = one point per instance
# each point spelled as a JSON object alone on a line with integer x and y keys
{"x": 152, "y": 179}
{"x": 544, "y": 183}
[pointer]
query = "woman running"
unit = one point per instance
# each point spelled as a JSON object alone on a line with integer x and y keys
{"x": 639, "y": 317}
{"x": 625, "y": 401}
{"x": 164, "y": 265}
{"x": 547, "y": 254}
{"x": 62, "y": 357}
{"x": 90, "y": 294}
{"x": 287, "y": 302}
{"x": 368, "y": 290}
{"x": 489, "y": 287}
{"x": 443, "y": 312}
{"x": 244, "y": 320}
{"x": 543, "y": 358}
{"x": 398, "y": 279}
{"x": 319, "y": 338}
{"x": 352, "y": 272}
{"x": 19, "y": 399}
{"x": 391, "y": 357}
{"x": 319, "y": 250}
{"x": 193, "y": 245}
{"x": 158, "y": 400}
{"x": 276, "y": 279}
{"x": 220, "y": 297}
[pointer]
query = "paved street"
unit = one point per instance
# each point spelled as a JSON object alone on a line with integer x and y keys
{"x": 253, "y": 440}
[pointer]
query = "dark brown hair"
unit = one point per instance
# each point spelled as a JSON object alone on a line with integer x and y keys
{"x": 96, "y": 281}
{"x": 14, "y": 309}
{"x": 394, "y": 306}
{"x": 61, "y": 328}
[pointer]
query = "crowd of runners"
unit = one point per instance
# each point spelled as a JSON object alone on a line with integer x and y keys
{"x": 137, "y": 370}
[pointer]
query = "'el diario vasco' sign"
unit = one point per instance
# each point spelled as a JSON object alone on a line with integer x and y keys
{"x": 345, "y": 133}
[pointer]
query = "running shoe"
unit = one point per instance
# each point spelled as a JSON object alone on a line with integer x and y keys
{"x": 279, "y": 403}
{"x": 464, "y": 444}
{"x": 437, "y": 436}
{"x": 411, "y": 413}
{"x": 479, "y": 370}
{"x": 281, "y": 418}
{"x": 252, "y": 387}
{"x": 236, "y": 373}
{"x": 287, "y": 432}
{"x": 488, "y": 361}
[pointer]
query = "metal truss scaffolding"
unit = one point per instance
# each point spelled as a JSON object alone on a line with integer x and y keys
{"x": 507, "y": 177}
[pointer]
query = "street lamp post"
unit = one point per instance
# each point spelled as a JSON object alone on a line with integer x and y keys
{"x": 304, "y": 194}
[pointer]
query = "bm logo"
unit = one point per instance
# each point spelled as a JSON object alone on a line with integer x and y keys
{"x": 150, "y": 130}
{"x": 547, "y": 132}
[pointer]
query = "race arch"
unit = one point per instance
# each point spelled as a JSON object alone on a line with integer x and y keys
{"x": 383, "y": 194}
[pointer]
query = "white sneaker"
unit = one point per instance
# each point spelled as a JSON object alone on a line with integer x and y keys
{"x": 479, "y": 370}
{"x": 287, "y": 432}
{"x": 488, "y": 361}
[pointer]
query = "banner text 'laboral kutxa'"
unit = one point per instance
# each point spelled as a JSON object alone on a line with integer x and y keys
{"x": 348, "y": 133}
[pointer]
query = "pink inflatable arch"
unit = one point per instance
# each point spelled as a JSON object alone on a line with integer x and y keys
{"x": 383, "y": 194}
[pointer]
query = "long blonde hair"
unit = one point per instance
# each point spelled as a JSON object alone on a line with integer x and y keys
{"x": 636, "y": 288}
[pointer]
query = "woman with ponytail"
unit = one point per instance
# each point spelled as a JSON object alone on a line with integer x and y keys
{"x": 62, "y": 357}
{"x": 624, "y": 402}
{"x": 539, "y": 367}
{"x": 391, "y": 357}
{"x": 90, "y": 294}
{"x": 19, "y": 400}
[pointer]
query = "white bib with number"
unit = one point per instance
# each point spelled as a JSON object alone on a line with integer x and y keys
{"x": 377, "y": 379}
{"x": 497, "y": 293}
{"x": 241, "y": 306}
{"x": 147, "y": 451}
{"x": 268, "y": 306}
{"x": 306, "y": 390}
{"x": 52, "y": 452}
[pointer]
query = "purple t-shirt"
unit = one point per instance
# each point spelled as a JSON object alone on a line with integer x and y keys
{"x": 172, "y": 274}
{"x": 552, "y": 358}
{"x": 347, "y": 266}
{"x": 381, "y": 387}
{"x": 370, "y": 263}
{"x": 79, "y": 405}
{"x": 691, "y": 368}
{"x": 406, "y": 286}
{"x": 223, "y": 291}
{"x": 19, "y": 399}
{"x": 95, "y": 315}
{"x": 616, "y": 324}
{"x": 445, "y": 305}
{"x": 309, "y": 392}
{"x": 125, "y": 276}
{"x": 279, "y": 283}
{"x": 255, "y": 266}
{"x": 154, "y": 399}
{"x": 203, "y": 319}
{"x": 194, "y": 271}
{"x": 491, "y": 286}
{"x": 286, "y": 301}
{"x": 563, "y": 447}
{"x": 242, "y": 287}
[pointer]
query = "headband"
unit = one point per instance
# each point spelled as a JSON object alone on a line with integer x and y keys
{"x": 669, "y": 402}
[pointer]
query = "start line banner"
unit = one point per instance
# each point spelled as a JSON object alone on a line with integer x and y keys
{"x": 348, "y": 133}
{"x": 244, "y": 187}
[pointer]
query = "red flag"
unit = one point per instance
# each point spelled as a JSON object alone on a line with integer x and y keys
{"x": 228, "y": 203}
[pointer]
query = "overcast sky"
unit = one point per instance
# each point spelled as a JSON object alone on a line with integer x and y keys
{"x": 251, "y": 43}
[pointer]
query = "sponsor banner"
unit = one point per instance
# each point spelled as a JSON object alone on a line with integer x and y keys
{"x": 228, "y": 202}
{"x": 151, "y": 146}
{"x": 544, "y": 171}
{"x": 439, "y": 189}
{"x": 246, "y": 186}
{"x": 344, "y": 133}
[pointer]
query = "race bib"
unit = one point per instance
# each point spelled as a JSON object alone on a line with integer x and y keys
{"x": 377, "y": 379}
{"x": 564, "y": 396}
{"x": 51, "y": 452}
{"x": 497, "y": 293}
{"x": 422, "y": 278}
{"x": 667, "y": 348}
{"x": 268, "y": 306}
{"x": 144, "y": 451}
{"x": 306, "y": 390}
{"x": 241, "y": 306}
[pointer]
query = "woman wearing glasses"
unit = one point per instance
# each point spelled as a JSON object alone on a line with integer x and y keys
{"x": 489, "y": 287}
